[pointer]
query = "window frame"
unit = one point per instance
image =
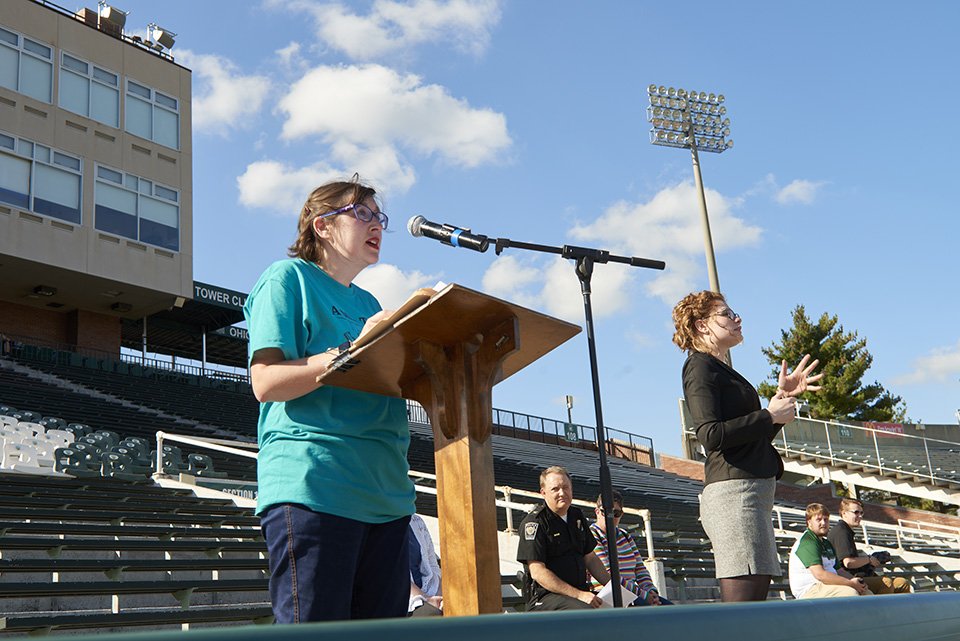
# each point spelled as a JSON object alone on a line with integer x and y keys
{"x": 22, "y": 49}
{"x": 134, "y": 184}
{"x": 90, "y": 75}
{"x": 155, "y": 104}
{"x": 52, "y": 153}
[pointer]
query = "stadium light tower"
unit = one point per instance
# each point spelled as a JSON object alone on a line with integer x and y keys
{"x": 693, "y": 120}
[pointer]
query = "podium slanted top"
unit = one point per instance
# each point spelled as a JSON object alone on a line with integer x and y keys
{"x": 385, "y": 363}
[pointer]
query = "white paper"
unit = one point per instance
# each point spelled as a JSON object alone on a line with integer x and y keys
{"x": 606, "y": 595}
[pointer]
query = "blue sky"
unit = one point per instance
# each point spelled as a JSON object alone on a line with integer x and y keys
{"x": 527, "y": 120}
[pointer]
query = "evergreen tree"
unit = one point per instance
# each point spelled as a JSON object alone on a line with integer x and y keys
{"x": 844, "y": 360}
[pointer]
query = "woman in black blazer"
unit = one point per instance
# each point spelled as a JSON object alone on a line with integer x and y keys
{"x": 742, "y": 466}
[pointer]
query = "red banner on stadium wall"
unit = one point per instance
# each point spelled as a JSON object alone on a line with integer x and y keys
{"x": 885, "y": 430}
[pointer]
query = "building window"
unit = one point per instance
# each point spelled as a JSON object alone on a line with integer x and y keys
{"x": 152, "y": 115}
{"x": 89, "y": 90}
{"x": 26, "y": 65}
{"x": 137, "y": 208}
{"x": 40, "y": 179}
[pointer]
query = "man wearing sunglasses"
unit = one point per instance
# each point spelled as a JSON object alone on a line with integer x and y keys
{"x": 856, "y": 562}
{"x": 633, "y": 573}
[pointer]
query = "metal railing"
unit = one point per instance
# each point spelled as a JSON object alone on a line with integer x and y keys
{"x": 119, "y": 36}
{"x": 531, "y": 426}
{"x": 218, "y": 445}
{"x": 45, "y": 351}
{"x": 620, "y": 443}
{"x": 883, "y": 452}
{"x": 932, "y": 532}
{"x": 886, "y": 453}
{"x": 507, "y": 492}
{"x": 916, "y": 531}
{"x": 536, "y": 428}
{"x": 644, "y": 514}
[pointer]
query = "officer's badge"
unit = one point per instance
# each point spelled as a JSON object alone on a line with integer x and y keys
{"x": 530, "y": 530}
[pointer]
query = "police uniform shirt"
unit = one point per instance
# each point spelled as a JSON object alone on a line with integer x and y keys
{"x": 560, "y": 545}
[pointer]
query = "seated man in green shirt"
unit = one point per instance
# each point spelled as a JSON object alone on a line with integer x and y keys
{"x": 813, "y": 572}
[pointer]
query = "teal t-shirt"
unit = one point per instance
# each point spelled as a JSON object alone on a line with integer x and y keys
{"x": 334, "y": 450}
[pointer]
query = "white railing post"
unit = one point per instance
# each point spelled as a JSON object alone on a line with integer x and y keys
{"x": 826, "y": 430}
{"x": 648, "y": 532}
{"x": 876, "y": 448}
{"x": 507, "y": 498}
{"x": 159, "y": 470}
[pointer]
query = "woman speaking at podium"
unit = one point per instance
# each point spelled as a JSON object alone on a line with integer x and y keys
{"x": 334, "y": 495}
{"x": 742, "y": 467}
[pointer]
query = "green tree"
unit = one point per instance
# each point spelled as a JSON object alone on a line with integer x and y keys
{"x": 844, "y": 360}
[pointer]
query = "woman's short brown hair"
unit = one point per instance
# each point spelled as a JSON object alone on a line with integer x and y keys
{"x": 688, "y": 311}
{"x": 323, "y": 200}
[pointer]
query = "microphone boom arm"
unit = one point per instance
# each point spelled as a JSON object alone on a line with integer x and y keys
{"x": 576, "y": 253}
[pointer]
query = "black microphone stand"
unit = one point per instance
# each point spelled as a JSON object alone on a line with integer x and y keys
{"x": 585, "y": 259}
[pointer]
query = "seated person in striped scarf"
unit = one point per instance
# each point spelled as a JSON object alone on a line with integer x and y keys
{"x": 633, "y": 573}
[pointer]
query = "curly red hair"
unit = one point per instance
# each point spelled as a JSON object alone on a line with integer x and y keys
{"x": 691, "y": 308}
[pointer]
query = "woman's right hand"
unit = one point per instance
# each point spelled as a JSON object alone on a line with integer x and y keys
{"x": 782, "y": 408}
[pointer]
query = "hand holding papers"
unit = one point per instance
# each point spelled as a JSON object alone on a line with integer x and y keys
{"x": 415, "y": 300}
{"x": 606, "y": 595}
{"x": 345, "y": 360}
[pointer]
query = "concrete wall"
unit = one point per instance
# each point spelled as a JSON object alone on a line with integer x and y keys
{"x": 80, "y": 261}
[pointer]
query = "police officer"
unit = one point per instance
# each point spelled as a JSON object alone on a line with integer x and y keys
{"x": 556, "y": 548}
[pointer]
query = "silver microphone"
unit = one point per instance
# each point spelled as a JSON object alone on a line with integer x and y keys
{"x": 447, "y": 234}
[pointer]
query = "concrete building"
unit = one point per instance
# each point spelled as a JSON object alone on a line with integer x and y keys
{"x": 96, "y": 223}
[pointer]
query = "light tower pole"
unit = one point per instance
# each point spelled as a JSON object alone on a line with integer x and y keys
{"x": 696, "y": 121}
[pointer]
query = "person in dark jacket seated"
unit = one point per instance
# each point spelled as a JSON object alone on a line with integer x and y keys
{"x": 556, "y": 549}
{"x": 857, "y": 563}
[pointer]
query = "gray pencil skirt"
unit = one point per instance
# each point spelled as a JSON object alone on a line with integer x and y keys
{"x": 736, "y": 515}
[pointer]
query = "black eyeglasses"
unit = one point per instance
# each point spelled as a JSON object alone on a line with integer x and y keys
{"x": 729, "y": 313}
{"x": 617, "y": 512}
{"x": 857, "y": 512}
{"x": 362, "y": 213}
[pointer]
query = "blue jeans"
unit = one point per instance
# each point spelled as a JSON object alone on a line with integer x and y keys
{"x": 326, "y": 568}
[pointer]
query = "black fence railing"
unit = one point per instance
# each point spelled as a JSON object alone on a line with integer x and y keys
{"x": 505, "y": 422}
{"x": 547, "y": 430}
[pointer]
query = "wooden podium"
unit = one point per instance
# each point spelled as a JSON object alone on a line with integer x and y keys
{"x": 447, "y": 354}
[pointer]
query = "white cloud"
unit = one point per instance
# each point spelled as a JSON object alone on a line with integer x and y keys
{"x": 371, "y": 117}
{"x": 665, "y": 228}
{"x": 552, "y": 286}
{"x": 799, "y": 191}
{"x": 224, "y": 98}
{"x": 510, "y": 279}
{"x": 396, "y": 27}
{"x": 373, "y": 106}
{"x": 940, "y": 365}
{"x": 668, "y": 228}
{"x": 391, "y": 285}
{"x": 290, "y": 56}
{"x": 279, "y": 187}
{"x": 282, "y": 188}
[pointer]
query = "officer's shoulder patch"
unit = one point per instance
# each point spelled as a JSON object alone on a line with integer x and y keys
{"x": 530, "y": 530}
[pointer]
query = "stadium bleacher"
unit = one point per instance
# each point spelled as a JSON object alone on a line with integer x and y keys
{"x": 103, "y": 552}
